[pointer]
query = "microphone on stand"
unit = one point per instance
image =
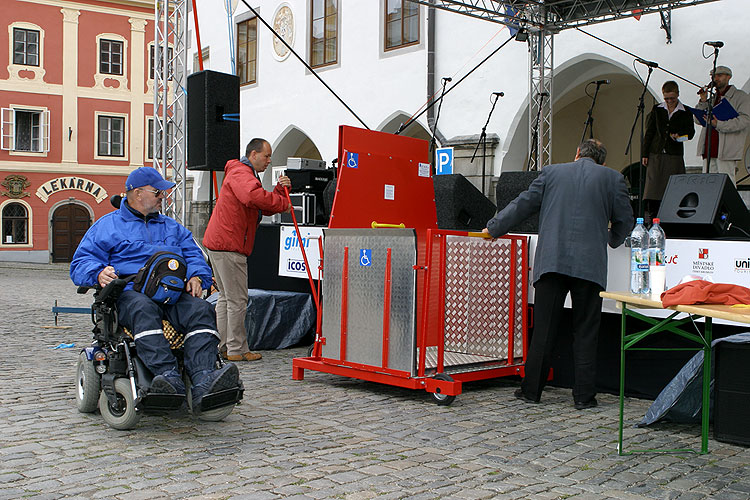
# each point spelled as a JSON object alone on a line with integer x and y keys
{"x": 602, "y": 82}
{"x": 650, "y": 64}
{"x": 447, "y": 79}
{"x": 499, "y": 94}
{"x": 718, "y": 45}
{"x": 543, "y": 94}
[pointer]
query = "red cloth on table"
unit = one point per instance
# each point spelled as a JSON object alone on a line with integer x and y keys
{"x": 705, "y": 292}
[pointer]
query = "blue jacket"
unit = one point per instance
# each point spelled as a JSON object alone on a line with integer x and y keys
{"x": 125, "y": 240}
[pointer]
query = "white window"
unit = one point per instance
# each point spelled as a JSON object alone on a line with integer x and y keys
{"x": 152, "y": 61}
{"x": 15, "y": 224}
{"x": 110, "y": 57}
{"x": 170, "y": 140}
{"x": 26, "y": 46}
{"x": 111, "y": 136}
{"x": 25, "y": 130}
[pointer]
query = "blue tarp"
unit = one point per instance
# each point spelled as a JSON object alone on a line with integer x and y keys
{"x": 680, "y": 401}
{"x": 276, "y": 319}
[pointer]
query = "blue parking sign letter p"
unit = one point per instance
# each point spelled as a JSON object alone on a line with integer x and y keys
{"x": 444, "y": 160}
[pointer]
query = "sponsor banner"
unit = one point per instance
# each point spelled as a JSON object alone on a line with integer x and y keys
{"x": 291, "y": 262}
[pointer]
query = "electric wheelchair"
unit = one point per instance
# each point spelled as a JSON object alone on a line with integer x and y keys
{"x": 111, "y": 377}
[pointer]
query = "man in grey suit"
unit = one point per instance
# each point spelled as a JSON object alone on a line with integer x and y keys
{"x": 576, "y": 203}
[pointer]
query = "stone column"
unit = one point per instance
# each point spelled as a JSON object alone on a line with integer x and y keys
{"x": 137, "y": 84}
{"x": 70, "y": 86}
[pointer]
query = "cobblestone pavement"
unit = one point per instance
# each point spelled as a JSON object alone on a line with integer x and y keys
{"x": 324, "y": 437}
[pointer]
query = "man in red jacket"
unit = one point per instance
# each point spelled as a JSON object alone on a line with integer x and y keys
{"x": 230, "y": 236}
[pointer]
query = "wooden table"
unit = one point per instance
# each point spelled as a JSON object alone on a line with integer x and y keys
{"x": 626, "y": 301}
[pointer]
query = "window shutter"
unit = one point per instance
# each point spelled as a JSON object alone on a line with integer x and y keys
{"x": 45, "y": 131}
{"x": 6, "y": 129}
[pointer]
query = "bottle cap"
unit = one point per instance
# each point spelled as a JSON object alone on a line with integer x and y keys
{"x": 656, "y": 220}
{"x": 639, "y": 220}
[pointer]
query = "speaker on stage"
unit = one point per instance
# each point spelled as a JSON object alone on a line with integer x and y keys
{"x": 212, "y": 140}
{"x": 732, "y": 393}
{"x": 460, "y": 205}
{"x": 509, "y": 186}
{"x": 703, "y": 206}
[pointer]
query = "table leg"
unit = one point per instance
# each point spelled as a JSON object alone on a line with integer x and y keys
{"x": 706, "y": 384}
{"x": 622, "y": 375}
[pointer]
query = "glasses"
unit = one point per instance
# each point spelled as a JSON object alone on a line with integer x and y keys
{"x": 157, "y": 192}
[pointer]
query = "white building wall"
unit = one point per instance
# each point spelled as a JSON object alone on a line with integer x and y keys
{"x": 377, "y": 84}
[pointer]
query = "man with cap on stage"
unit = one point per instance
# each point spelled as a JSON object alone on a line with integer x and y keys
{"x": 727, "y": 136}
{"x": 118, "y": 245}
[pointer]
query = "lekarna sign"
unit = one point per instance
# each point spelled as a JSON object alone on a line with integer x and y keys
{"x": 444, "y": 160}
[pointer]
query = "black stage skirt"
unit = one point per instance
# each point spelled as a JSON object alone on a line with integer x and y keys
{"x": 660, "y": 167}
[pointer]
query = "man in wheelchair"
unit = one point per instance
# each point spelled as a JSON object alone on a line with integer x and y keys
{"x": 117, "y": 246}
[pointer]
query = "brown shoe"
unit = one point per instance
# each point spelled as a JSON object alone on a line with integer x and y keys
{"x": 248, "y": 356}
{"x": 223, "y": 353}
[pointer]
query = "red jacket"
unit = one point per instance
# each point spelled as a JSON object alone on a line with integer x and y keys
{"x": 236, "y": 215}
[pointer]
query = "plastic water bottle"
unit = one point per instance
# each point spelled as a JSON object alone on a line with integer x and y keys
{"x": 639, "y": 258}
{"x": 656, "y": 253}
{"x": 656, "y": 245}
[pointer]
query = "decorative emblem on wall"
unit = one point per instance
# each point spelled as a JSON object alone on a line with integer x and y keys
{"x": 15, "y": 185}
{"x": 283, "y": 23}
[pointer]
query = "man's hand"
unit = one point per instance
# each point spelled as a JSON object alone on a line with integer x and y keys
{"x": 644, "y": 161}
{"x": 106, "y": 276}
{"x": 194, "y": 287}
{"x": 285, "y": 181}
{"x": 714, "y": 121}
{"x": 288, "y": 209}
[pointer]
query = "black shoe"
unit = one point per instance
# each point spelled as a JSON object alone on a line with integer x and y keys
{"x": 583, "y": 405}
{"x": 519, "y": 394}
{"x": 226, "y": 377}
{"x": 167, "y": 384}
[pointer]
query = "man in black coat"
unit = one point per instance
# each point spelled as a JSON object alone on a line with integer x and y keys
{"x": 576, "y": 202}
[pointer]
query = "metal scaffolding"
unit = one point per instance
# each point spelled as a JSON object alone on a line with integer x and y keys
{"x": 170, "y": 76}
{"x": 541, "y": 19}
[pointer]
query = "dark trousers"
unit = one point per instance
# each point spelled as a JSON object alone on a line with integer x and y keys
{"x": 193, "y": 316}
{"x": 549, "y": 301}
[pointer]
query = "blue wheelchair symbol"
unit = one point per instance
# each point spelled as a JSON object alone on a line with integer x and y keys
{"x": 365, "y": 257}
{"x": 352, "y": 160}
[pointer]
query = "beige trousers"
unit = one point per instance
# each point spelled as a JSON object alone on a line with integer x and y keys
{"x": 728, "y": 167}
{"x": 230, "y": 271}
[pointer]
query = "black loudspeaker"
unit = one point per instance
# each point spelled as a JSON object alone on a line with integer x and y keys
{"x": 460, "y": 205}
{"x": 509, "y": 186}
{"x": 212, "y": 139}
{"x": 732, "y": 393}
{"x": 703, "y": 206}
{"x": 329, "y": 193}
{"x": 263, "y": 263}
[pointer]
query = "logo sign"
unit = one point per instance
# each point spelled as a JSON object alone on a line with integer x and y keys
{"x": 352, "y": 160}
{"x": 444, "y": 160}
{"x": 703, "y": 253}
{"x": 291, "y": 261}
{"x": 365, "y": 257}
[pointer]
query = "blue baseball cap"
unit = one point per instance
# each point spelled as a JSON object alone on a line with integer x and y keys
{"x": 147, "y": 176}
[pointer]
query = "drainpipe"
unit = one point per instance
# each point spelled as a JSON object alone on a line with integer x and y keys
{"x": 431, "y": 12}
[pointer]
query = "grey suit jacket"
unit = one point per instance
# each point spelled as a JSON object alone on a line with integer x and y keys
{"x": 576, "y": 202}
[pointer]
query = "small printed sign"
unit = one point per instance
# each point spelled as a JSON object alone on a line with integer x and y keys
{"x": 291, "y": 261}
{"x": 352, "y": 160}
{"x": 444, "y": 160}
{"x": 424, "y": 169}
{"x": 390, "y": 192}
{"x": 365, "y": 257}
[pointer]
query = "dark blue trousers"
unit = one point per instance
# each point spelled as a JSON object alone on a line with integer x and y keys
{"x": 549, "y": 301}
{"x": 193, "y": 316}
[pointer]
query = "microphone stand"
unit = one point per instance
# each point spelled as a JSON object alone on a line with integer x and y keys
{"x": 590, "y": 119}
{"x": 435, "y": 123}
{"x": 709, "y": 116}
{"x": 483, "y": 142}
{"x": 640, "y": 114}
{"x": 534, "y": 152}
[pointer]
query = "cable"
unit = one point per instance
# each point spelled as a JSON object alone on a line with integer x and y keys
{"x": 414, "y": 117}
{"x": 309, "y": 68}
{"x": 637, "y": 57}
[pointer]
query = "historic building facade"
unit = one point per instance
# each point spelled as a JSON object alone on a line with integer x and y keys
{"x": 76, "y": 93}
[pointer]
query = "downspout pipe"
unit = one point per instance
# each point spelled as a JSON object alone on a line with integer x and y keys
{"x": 431, "y": 22}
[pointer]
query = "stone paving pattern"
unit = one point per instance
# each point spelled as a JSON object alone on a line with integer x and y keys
{"x": 324, "y": 437}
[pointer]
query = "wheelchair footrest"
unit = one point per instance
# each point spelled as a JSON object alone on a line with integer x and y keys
{"x": 220, "y": 399}
{"x": 161, "y": 402}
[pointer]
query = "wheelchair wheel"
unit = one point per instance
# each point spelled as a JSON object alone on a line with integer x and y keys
{"x": 121, "y": 416}
{"x": 87, "y": 385}
{"x": 215, "y": 415}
